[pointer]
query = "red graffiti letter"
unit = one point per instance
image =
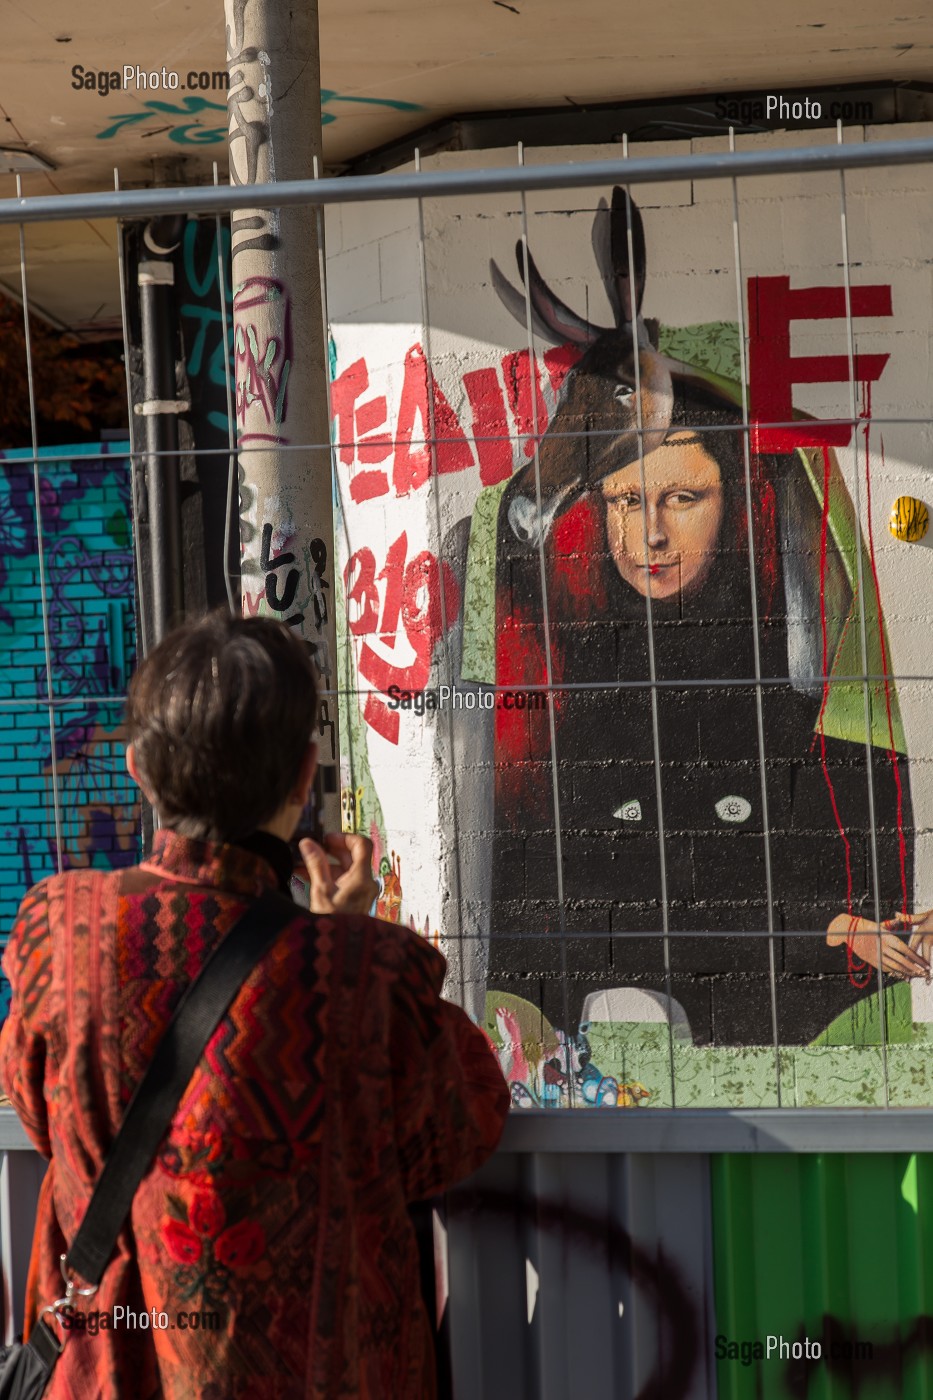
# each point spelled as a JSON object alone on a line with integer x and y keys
{"x": 412, "y": 468}
{"x": 490, "y": 425}
{"x": 773, "y": 371}
{"x": 350, "y": 421}
{"x": 401, "y": 641}
{"x": 344, "y": 392}
{"x": 359, "y": 580}
{"x": 528, "y": 413}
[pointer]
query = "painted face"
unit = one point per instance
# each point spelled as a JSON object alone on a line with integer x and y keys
{"x": 683, "y": 494}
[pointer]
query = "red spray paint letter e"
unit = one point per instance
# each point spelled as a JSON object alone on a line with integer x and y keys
{"x": 773, "y": 371}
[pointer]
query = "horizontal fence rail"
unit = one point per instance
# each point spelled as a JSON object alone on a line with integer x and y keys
{"x": 361, "y": 189}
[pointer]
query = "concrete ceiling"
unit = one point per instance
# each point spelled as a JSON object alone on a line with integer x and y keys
{"x": 389, "y": 67}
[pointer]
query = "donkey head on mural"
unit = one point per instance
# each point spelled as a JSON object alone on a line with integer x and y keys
{"x": 621, "y": 383}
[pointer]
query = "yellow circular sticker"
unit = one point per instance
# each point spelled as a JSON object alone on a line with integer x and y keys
{"x": 910, "y": 519}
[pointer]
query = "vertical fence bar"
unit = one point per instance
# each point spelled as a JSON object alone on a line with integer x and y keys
{"x": 863, "y": 625}
{"x": 350, "y": 691}
{"x": 149, "y": 817}
{"x": 40, "y": 543}
{"x": 548, "y": 660}
{"x": 134, "y": 473}
{"x": 652, "y": 665}
{"x": 435, "y": 476}
{"x": 753, "y": 594}
{"x": 231, "y": 430}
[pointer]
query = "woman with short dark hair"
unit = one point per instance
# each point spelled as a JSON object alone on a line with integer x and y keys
{"x": 269, "y": 1251}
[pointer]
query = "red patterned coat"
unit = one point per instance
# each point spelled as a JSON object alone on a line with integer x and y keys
{"x": 271, "y": 1232}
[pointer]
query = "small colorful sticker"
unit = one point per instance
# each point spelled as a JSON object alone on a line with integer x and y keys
{"x": 733, "y": 809}
{"x": 629, "y": 811}
{"x": 910, "y": 519}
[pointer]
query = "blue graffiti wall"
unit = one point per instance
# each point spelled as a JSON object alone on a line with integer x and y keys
{"x": 89, "y": 618}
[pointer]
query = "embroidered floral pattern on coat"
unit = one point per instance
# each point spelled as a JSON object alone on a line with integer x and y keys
{"x": 338, "y": 1088}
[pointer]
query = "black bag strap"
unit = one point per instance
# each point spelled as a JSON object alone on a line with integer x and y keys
{"x": 158, "y": 1094}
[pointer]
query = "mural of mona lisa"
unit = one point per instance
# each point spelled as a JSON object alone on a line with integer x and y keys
{"x": 788, "y": 798}
{"x": 692, "y": 518}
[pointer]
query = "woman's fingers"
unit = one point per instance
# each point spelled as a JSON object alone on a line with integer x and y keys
{"x": 318, "y": 866}
{"x": 339, "y": 851}
{"x": 341, "y": 874}
{"x": 355, "y": 887}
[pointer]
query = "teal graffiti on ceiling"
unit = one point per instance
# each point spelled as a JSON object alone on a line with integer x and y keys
{"x": 188, "y": 132}
{"x": 328, "y": 96}
{"x": 185, "y": 133}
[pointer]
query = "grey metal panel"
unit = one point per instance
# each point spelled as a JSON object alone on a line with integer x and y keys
{"x": 671, "y": 1224}
{"x": 486, "y": 1280}
{"x": 705, "y": 1130}
{"x": 206, "y": 199}
{"x": 588, "y": 1234}
{"x": 12, "y": 1134}
{"x": 21, "y": 1176}
{"x": 690, "y": 1130}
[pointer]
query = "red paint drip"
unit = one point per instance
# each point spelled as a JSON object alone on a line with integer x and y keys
{"x": 764, "y": 511}
{"x": 857, "y": 969}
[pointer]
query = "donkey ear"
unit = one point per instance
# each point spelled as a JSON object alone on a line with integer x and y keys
{"x": 512, "y": 299}
{"x": 629, "y": 277}
{"x": 560, "y": 323}
{"x": 514, "y": 302}
{"x": 602, "y": 248}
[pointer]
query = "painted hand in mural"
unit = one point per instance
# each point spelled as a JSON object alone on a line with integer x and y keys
{"x": 880, "y": 946}
{"x": 921, "y": 935}
{"x": 340, "y": 873}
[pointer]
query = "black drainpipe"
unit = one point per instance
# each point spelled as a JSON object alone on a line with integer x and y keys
{"x": 160, "y": 409}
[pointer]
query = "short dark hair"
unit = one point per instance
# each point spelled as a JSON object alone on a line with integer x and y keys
{"x": 220, "y": 714}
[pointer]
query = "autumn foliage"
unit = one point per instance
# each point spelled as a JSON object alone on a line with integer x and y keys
{"x": 79, "y": 388}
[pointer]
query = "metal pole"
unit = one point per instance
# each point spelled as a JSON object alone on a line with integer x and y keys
{"x": 286, "y": 510}
{"x": 160, "y": 409}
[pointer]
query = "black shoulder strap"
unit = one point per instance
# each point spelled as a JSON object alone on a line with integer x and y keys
{"x": 158, "y": 1094}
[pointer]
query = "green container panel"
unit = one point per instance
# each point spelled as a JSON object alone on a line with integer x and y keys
{"x": 834, "y": 1251}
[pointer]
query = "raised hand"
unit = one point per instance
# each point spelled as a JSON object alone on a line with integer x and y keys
{"x": 340, "y": 873}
